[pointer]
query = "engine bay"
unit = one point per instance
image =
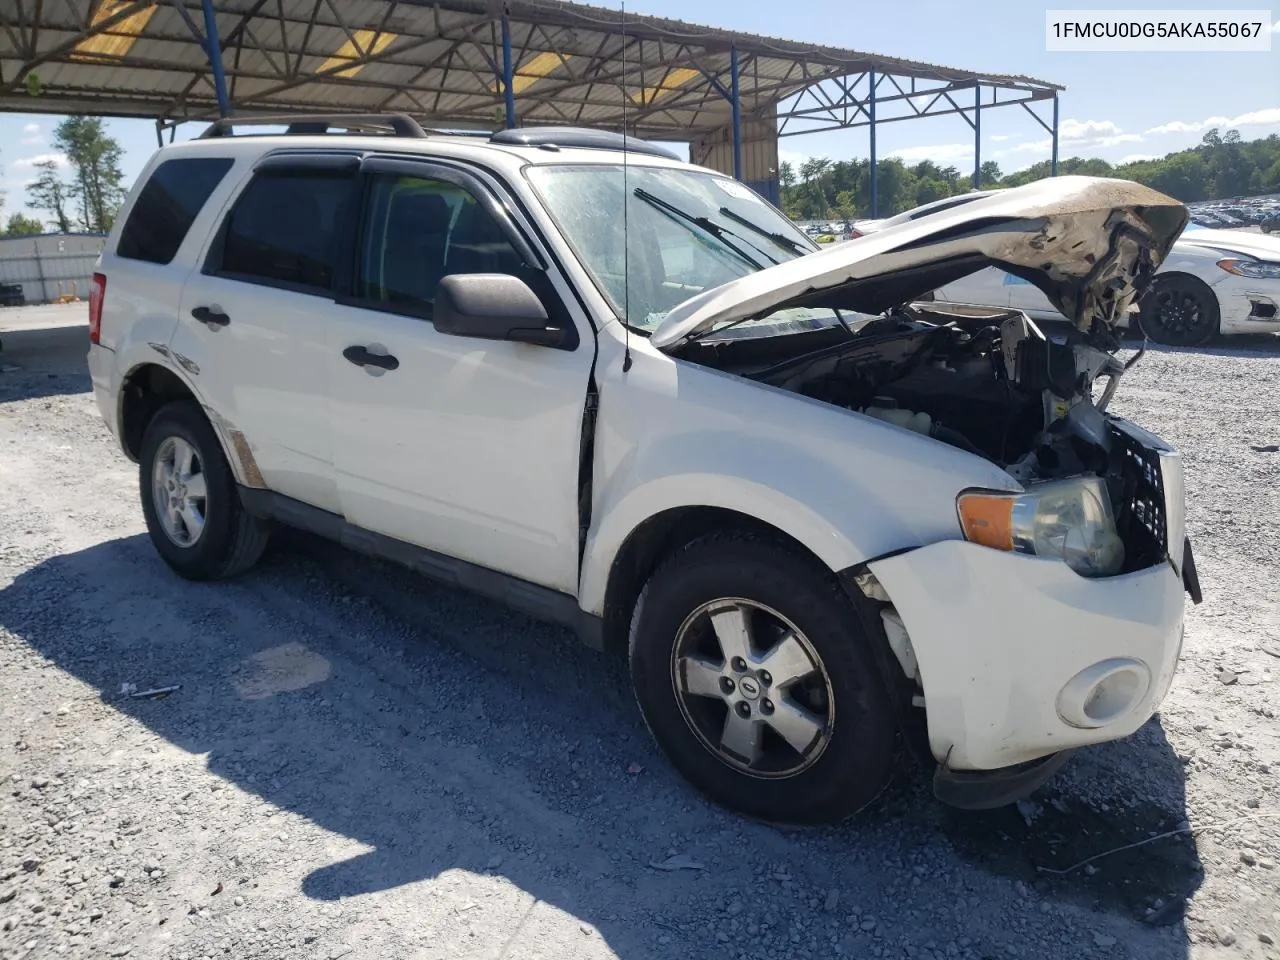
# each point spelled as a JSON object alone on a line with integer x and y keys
{"x": 990, "y": 383}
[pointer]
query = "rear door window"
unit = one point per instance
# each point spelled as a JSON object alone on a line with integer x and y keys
{"x": 284, "y": 229}
{"x": 169, "y": 203}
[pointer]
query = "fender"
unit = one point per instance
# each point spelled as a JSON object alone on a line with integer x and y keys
{"x": 842, "y": 503}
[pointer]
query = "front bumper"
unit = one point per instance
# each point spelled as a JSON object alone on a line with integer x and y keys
{"x": 1020, "y": 658}
{"x": 1246, "y": 305}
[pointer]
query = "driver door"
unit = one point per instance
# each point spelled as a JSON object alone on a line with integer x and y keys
{"x": 464, "y": 446}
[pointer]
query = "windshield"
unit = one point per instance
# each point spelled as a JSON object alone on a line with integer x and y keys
{"x": 685, "y": 231}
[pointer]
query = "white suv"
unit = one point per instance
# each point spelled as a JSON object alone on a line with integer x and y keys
{"x": 623, "y": 393}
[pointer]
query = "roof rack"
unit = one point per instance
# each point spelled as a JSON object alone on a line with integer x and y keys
{"x": 551, "y": 138}
{"x": 394, "y": 124}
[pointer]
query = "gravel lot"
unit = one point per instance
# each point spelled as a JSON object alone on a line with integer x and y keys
{"x": 360, "y": 764}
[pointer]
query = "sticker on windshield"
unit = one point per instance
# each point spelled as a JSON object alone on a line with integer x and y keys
{"x": 735, "y": 189}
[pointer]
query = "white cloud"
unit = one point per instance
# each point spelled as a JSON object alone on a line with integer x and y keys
{"x": 1082, "y": 135}
{"x": 793, "y": 158}
{"x": 31, "y": 128}
{"x": 26, "y": 163}
{"x": 1136, "y": 158}
{"x": 1034, "y": 146}
{"x": 1256, "y": 118}
{"x": 1086, "y": 129}
{"x": 938, "y": 152}
{"x": 1001, "y": 137}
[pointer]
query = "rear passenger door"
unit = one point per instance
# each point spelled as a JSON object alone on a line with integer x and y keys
{"x": 254, "y": 319}
{"x": 466, "y": 447}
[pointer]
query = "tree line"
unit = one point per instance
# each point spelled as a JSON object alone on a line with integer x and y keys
{"x": 1220, "y": 166}
{"x": 86, "y": 196}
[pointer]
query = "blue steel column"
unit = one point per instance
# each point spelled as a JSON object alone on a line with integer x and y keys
{"x": 735, "y": 100}
{"x": 213, "y": 49}
{"x": 977, "y": 137}
{"x": 871, "y": 115}
{"x": 508, "y": 74}
{"x": 1054, "y": 162}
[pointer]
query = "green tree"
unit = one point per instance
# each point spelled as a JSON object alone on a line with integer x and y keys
{"x": 51, "y": 194}
{"x": 21, "y": 225}
{"x": 786, "y": 175}
{"x": 95, "y": 163}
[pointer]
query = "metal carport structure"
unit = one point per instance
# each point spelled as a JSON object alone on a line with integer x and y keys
{"x": 480, "y": 63}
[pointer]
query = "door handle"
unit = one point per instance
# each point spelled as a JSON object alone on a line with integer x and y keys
{"x": 361, "y": 357}
{"x": 211, "y": 318}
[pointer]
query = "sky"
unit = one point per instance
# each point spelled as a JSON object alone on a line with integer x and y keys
{"x": 1118, "y": 106}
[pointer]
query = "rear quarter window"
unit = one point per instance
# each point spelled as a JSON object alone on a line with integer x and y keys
{"x": 169, "y": 203}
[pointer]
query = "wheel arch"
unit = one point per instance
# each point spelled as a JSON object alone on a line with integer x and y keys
{"x": 143, "y": 391}
{"x": 148, "y": 387}
{"x": 1177, "y": 275}
{"x": 657, "y": 537}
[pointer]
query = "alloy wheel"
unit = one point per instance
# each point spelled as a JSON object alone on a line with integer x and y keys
{"x": 179, "y": 492}
{"x": 752, "y": 688}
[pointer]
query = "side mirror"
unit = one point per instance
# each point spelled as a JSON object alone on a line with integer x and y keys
{"x": 493, "y": 306}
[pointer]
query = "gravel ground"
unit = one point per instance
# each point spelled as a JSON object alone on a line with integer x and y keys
{"x": 360, "y": 764}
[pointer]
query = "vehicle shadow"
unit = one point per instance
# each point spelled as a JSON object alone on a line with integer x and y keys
{"x": 43, "y": 362}
{"x": 446, "y": 734}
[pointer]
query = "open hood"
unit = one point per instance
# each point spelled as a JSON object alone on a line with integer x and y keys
{"x": 1090, "y": 244}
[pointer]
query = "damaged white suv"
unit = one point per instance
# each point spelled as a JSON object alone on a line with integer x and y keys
{"x": 624, "y": 393}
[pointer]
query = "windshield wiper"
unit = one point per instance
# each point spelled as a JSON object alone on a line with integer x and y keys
{"x": 709, "y": 226}
{"x": 780, "y": 239}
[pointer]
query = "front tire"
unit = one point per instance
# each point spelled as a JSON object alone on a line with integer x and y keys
{"x": 189, "y": 499}
{"x": 758, "y": 682}
{"x": 1179, "y": 311}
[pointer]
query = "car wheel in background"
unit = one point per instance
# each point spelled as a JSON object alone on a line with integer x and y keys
{"x": 189, "y": 498}
{"x": 757, "y": 680}
{"x": 1180, "y": 311}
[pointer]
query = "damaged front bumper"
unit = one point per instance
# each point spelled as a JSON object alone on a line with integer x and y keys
{"x": 1248, "y": 305}
{"x": 1021, "y": 659}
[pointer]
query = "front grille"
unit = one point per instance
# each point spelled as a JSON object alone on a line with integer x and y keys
{"x": 1141, "y": 507}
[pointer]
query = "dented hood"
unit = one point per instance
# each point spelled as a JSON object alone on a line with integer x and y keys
{"x": 1090, "y": 244}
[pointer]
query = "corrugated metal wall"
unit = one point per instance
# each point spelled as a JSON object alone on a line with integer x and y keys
{"x": 759, "y": 153}
{"x": 50, "y": 265}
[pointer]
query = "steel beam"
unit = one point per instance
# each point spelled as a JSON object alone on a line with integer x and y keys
{"x": 871, "y": 125}
{"x": 735, "y": 101}
{"x": 977, "y": 137}
{"x": 508, "y": 74}
{"x": 1053, "y": 163}
{"x": 213, "y": 48}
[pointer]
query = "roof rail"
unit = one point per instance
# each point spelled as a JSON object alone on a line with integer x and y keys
{"x": 303, "y": 124}
{"x": 553, "y": 137}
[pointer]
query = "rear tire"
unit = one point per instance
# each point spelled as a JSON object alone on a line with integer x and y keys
{"x": 800, "y": 729}
{"x": 189, "y": 498}
{"x": 1179, "y": 311}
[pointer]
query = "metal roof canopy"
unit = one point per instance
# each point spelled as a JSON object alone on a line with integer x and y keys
{"x": 484, "y": 63}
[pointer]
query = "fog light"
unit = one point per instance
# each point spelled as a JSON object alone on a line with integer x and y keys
{"x": 1103, "y": 693}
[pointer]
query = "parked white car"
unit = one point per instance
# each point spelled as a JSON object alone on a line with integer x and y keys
{"x": 1213, "y": 282}
{"x": 814, "y": 516}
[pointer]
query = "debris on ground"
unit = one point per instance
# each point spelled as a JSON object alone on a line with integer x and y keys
{"x": 678, "y": 862}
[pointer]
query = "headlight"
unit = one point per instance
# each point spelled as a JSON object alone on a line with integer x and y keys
{"x": 1254, "y": 269}
{"x": 1067, "y": 519}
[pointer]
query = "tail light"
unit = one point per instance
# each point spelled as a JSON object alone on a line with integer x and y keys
{"x": 97, "y": 293}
